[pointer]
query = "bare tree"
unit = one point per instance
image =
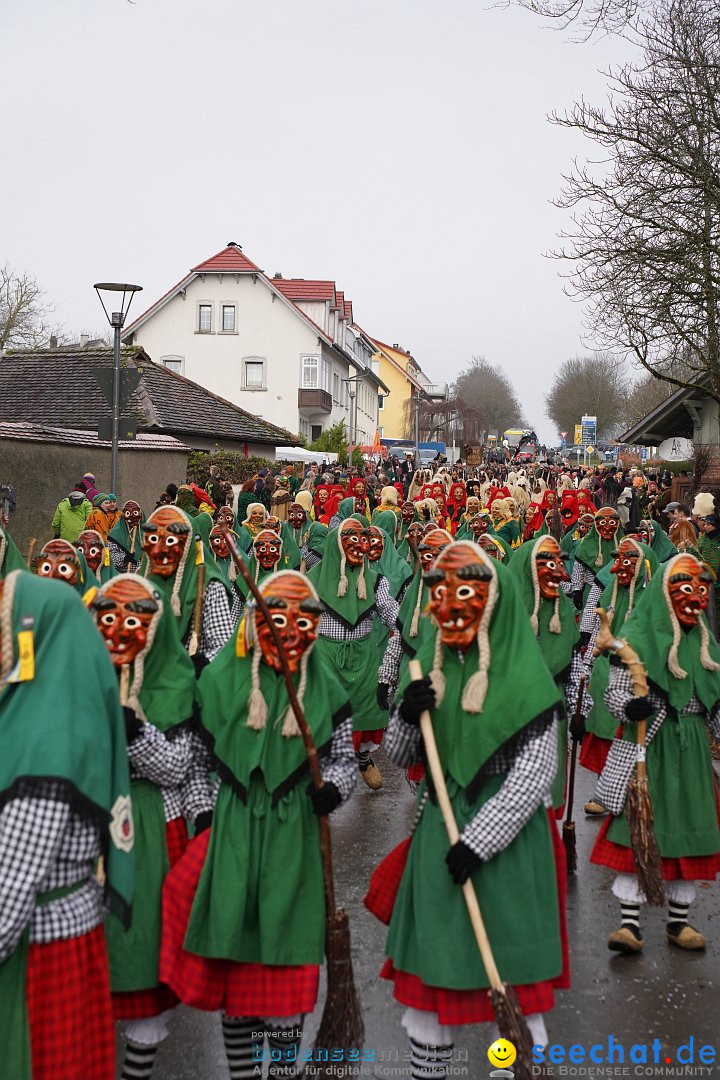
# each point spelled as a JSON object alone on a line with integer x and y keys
{"x": 24, "y": 311}
{"x": 588, "y": 385}
{"x": 587, "y": 16}
{"x": 645, "y": 238}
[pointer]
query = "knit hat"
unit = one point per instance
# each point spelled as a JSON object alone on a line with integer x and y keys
{"x": 100, "y": 498}
{"x": 704, "y": 504}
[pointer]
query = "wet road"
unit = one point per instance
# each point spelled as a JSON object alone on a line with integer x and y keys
{"x": 664, "y": 993}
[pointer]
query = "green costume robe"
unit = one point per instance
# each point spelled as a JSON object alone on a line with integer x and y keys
{"x": 260, "y": 896}
{"x": 10, "y": 557}
{"x": 44, "y": 733}
{"x": 132, "y": 546}
{"x": 586, "y": 553}
{"x": 167, "y": 700}
{"x": 430, "y": 934}
{"x": 556, "y": 648}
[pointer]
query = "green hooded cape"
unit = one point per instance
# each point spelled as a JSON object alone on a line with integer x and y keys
{"x": 10, "y": 557}
{"x": 556, "y": 648}
{"x": 661, "y": 543}
{"x": 121, "y": 535}
{"x": 325, "y": 576}
{"x": 346, "y": 509}
{"x": 587, "y": 549}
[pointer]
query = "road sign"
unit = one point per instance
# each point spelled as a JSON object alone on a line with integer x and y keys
{"x": 563, "y": 434}
{"x": 127, "y": 429}
{"x": 589, "y": 429}
{"x": 578, "y": 435}
{"x": 129, "y": 379}
{"x": 643, "y": 454}
{"x": 590, "y": 449}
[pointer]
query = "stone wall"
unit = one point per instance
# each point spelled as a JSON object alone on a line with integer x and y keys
{"x": 43, "y": 473}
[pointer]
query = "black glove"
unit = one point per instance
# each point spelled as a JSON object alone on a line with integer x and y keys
{"x": 577, "y": 599}
{"x": 462, "y": 862}
{"x": 203, "y": 821}
{"x": 638, "y": 708}
{"x": 133, "y": 723}
{"x": 418, "y": 697}
{"x": 324, "y": 799}
{"x": 383, "y": 695}
{"x": 200, "y": 662}
{"x": 577, "y": 727}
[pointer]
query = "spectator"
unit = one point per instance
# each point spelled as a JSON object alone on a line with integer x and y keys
{"x": 105, "y": 514}
{"x": 71, "y": 516}
{"x": 87, "y": 486}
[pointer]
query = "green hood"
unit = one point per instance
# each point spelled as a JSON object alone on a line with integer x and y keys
{"x": 587, "y": 550}
{"x": 661, "y": 543}
{"x": 556, "y": 648}
{"x": 391, "y": 565}
{"x": 121, "y": 535}
{"x": 10, "y": 557}
{"x": 66, "y": 722}
{"x": 346, "y": 509}
{"x": 325, "y": 576}
{"x": 520, "y": 687}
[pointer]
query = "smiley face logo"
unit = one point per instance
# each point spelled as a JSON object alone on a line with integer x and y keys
{"x": 502, "y": 1053}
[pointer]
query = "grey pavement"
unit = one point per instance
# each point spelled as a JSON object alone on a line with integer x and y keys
{"x": 664, "y": 993}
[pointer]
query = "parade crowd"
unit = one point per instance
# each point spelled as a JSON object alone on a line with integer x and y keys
{"x": 159, "y": 831}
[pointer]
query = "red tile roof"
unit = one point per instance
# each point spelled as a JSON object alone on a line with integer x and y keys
{"x": 230, "y": 260}
{"x": 300, "y": 289}
{"x": 340, "y": 302}
{"x": 348, "y": 309}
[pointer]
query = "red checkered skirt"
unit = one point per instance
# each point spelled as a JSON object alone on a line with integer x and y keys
{"x": 621, "y": 859}
{"x": 72, "y": 1034}
{"x": 138, "y": 1004}
{"x": 594, "y": 752}
{"x": 416, "y": 772}
{"x": 239, "y": 989}
{"x": 466, "y": 1006}
{"x": 359, "y": 737}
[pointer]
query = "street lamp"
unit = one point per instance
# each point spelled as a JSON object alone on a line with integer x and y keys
{"x": 117, "y": 321}
{"x": 352, "y": 390}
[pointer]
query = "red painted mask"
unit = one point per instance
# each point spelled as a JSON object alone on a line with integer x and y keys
{"x": 267, "y": 547}
{"x": 91, "y": 545}
{"x": 689, "y": 588}
{"x": 430, "y": 547}
{"x": 376, "y": 544}
{"x": 459, "y": 588}
{"x": 606, "y": 523}
{"x": 479, "y": 525}
{"x": 407, "y": 512}
{"x": 132, "y": 514}
{"x": 225, "y": 517}
{"x": 415, "y": 532}
{"x": 585, "y": 524}
{"x": 218, "y": 541}
{"x": 273, "y": 524}
{"x": 645, "y": 532}
{"x": 123, "y": 612}
{"x": 625, "y": 563}
{"x": 59, "y": 560}
{"x": 296, "y": 614}
{"x": 550, "y": 568}
{"x": 164, "y": 540}
{"x": 354, "y": 541}
{"x": 297, "y": 516}
{"x": 487, "y": 543}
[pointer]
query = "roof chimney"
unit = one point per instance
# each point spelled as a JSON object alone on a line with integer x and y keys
{"x": 232, "y": 243}
{"x": 277, "y": 276}
{"x": 396, "y": 346}
{"x": 53, "y": 342}
{"x": 84, "y": 339}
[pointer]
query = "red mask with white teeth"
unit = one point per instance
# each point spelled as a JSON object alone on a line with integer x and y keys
{"x": 123, "y": 613}
{"x": 689, "y": 589}
{"x": 550, "y": 568}
{"x": 458, "y": 600}
{"x": 164, "y": 540}
{"x": 295, "y": 613}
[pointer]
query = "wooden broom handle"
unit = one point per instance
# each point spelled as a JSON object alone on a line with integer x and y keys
{"x": 438, "y": 778}
{"x": 606, "y": 640}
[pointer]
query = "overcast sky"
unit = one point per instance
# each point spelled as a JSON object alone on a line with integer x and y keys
{"x": 400, "y": 147}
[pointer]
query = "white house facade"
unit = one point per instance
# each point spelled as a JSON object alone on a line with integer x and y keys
{"x": 284, "y": 350}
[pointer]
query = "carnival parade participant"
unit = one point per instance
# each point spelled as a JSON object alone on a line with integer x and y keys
{"x": 244, "y": 909}
{"x": 265, "y": 560}
{"x": 64, "y": 798}
{"x": 169, "y": 783}
{"x": 125, "y": 538}
{"x": 59, "y": 559}
{"x": 252, "y": 524}
{"x": 172, "y": 561}
{"x": 669, "y": 632}
{"x": 220, "y": 552}
{"x": 10, "y": 557}
{"x": 499, "y": 771}
{"x": 299, "y": 523}
{"x": 593, "y": 552}
{"x": 354, "y": 595}
{"x": 539, "y": 571}
{"x": 97, "y": 555}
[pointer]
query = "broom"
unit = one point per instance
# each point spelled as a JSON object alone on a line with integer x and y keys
{"x": 341, "y": 1024}
{"x": 568, "y": 829}
{"x": 639, "y": 806}
{"x": 31, "y": 553}
{"x": 510, "y": 1020}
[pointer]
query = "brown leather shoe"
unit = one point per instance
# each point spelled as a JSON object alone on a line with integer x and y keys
{"x": 688, "y": 938}
{"x": 372, "y": 776}
{"x": 623, "y": 940}
{"x": 595, "y": 809}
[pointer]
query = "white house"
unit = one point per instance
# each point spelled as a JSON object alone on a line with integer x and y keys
{"x": 285, "y": 350}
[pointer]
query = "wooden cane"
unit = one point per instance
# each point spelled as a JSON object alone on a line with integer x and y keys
{"x": 568, "y": 831}
{"x": 31, "y": 552}
{"x": 507, "y": 1010}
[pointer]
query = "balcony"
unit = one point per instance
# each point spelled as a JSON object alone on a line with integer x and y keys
{"x": 314, "y": 401}
{"x": 436, "y": 391}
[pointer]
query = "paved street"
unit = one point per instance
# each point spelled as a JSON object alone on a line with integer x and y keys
{"x": 665, "y": 993}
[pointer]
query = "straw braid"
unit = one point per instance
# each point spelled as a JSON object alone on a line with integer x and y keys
{"x": 415, "y": 622}
{"x": 6, "y": 634}
{"x": 476, "y": 688}
{"x": 257, "y": 705}
{"x": 599, "y": 556}
{"x": 636, "y": 577}
{"x": 3, "y": 545}
{"x": 139, "y": 664}
{"x": 673, "y": 662}
{"x": 290, "y": 725}
{"x": 705, "y": 659}
{"x": 555, "y": 624}
{"x": 536, "y": 590}
{"x": 437, "y": 679}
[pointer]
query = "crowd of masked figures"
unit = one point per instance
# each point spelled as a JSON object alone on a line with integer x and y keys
{"x": 163, "y": 831}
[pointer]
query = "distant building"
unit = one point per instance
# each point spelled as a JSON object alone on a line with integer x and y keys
{"x": 286, "y": 350}
{"x": 399, "y": 369}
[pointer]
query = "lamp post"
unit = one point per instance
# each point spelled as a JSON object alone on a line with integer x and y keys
{"x": 352, "y": 390}
{"x": 117, "y": 321}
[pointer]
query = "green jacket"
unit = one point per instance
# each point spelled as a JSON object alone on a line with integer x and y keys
{"x": 69, "y": 521}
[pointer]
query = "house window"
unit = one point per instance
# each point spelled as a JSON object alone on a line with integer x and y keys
{"x": 336, "y": 386}
{"x": 316, "y": 431}
{"x": 253, "y": 373}
{"x": 381, "y": 401}
{"x": 228, "y": 318}
{"x": 173, "y": 363}
{"x": 204, "y": 318}
{"x": 310, "y": 372}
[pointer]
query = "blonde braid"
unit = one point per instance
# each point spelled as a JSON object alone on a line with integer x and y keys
{"x": 476, "y": 688}
{"x": 361, "y": 586}
{"x": 599, "y": 557}
{"x": 437, "y": 679}
{"x": 139, "y": 664}
{"x": 6, "y": 634}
